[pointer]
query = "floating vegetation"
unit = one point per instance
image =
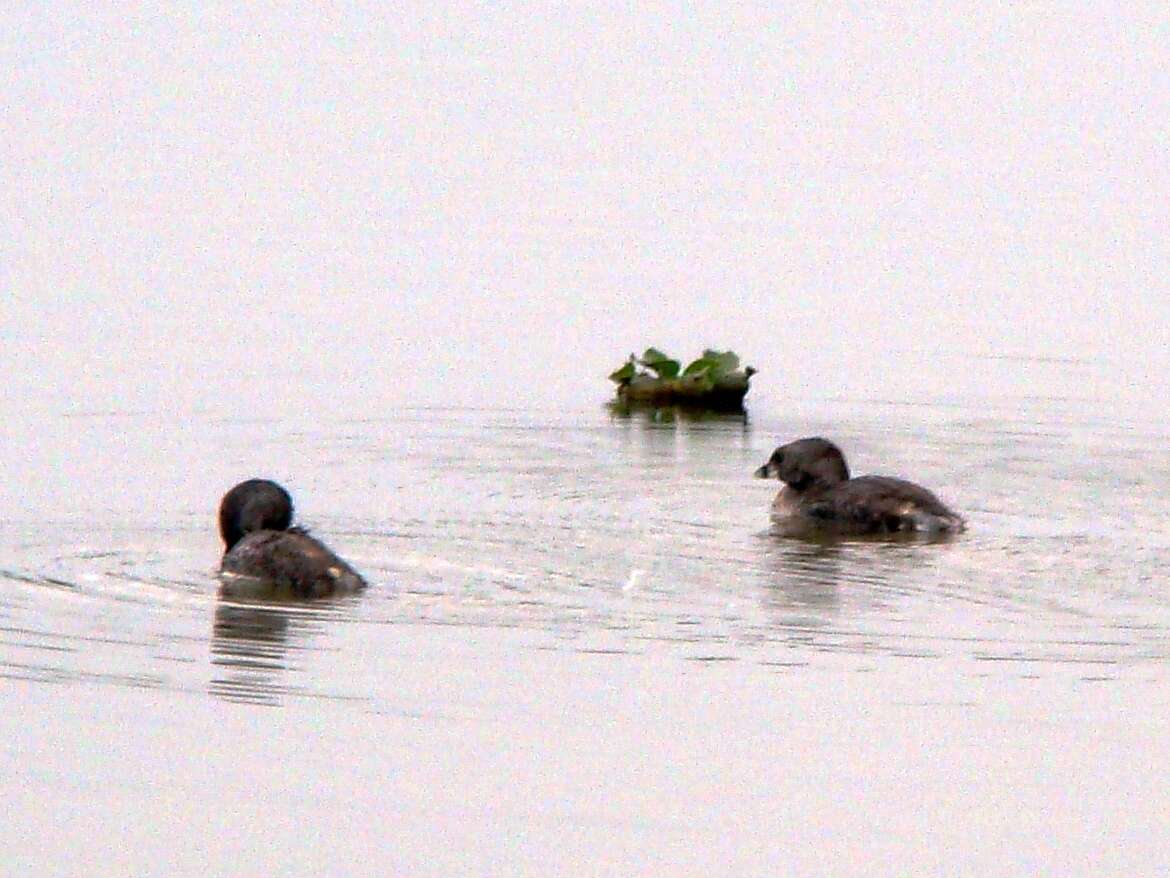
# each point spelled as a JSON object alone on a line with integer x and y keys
{"x": 715, "y": 380}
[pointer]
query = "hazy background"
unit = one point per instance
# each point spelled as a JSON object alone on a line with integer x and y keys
{"x": 308, "y": 207}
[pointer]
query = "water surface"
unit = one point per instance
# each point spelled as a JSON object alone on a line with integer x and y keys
{"x": 583, "y": 647}
{"x": 386, "y": 256}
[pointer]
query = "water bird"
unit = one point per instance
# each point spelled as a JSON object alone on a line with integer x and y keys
{"x": 819, "y": 497}
{"x": 266, "y": 556}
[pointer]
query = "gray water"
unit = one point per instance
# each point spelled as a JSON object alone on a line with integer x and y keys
{"x": 583, "y": 650}
{"x": 387, "y": 257}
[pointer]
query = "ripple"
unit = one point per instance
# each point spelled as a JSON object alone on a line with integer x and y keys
{"x": 621, "y": 537}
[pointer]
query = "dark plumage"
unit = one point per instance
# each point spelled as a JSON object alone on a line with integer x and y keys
{"x": 264, "y": 555}
{"x": 819, "y": 496}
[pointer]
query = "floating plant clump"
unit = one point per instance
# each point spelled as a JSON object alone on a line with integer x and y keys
{"x": 715, "y": 380}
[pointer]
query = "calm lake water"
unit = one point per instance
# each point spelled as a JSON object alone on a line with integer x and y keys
{"x": 583, "y": 651}
{"x": 386, "y": 253}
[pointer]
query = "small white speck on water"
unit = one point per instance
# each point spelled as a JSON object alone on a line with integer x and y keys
{"x": 633, "y": 580}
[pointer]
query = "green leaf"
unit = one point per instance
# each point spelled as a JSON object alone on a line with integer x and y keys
{"x": 667, "y": 368}
{"x": 662, "y": 365}
{"x": 624, "y": 374}
{"x": 726, "y": 361}
{"x": 703, "y": 364}
{"x": 653, "y": 355}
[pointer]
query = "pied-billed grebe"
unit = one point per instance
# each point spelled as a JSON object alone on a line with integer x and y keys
{"x": 265, "y": 556}
{"x": 819, "y": 497}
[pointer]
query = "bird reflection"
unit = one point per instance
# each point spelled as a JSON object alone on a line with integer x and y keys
{"x": 803, "y": 575}
{"x": 250, "y": 645}
{"x": 855, "y": 580}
